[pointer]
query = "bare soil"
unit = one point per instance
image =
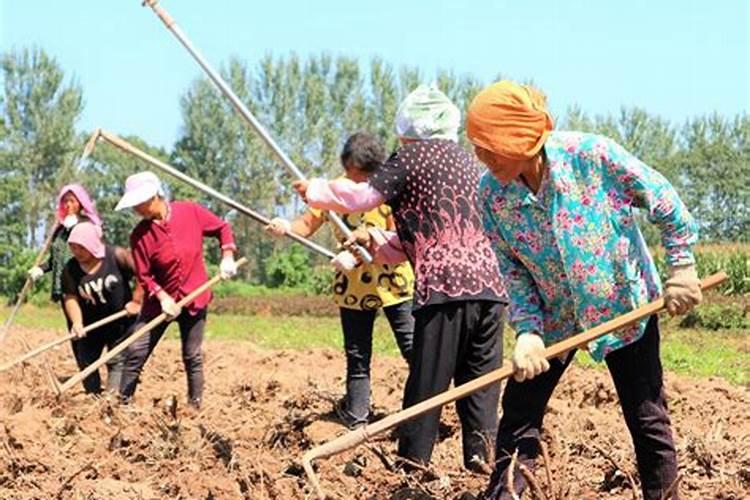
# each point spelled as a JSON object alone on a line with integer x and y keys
{"x": 264, "y": 409}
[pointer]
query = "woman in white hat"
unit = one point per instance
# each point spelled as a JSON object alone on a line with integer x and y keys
{"x": 167, "y": 249}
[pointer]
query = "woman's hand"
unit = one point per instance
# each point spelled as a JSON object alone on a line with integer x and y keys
{"x": 227, "y": 267}
{"x": 528, "y": 357}
{"x": 301, "y": 186}
{"x": 360, "y": 238}
{"x": 278, "y": 227}
{"x": 35, "y": 273}
{"x": 77, "y": 330}
{"x": 682, "y": 291}
{"x": 169, "y": 306}
{"x": 133, "y": 308}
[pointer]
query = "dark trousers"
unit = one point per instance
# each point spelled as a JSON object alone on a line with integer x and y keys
{"x": 357, "y": 326}
{"x": 461, "y": 341}
{"x": 191, "y": 335}
{"x": 637, "y": 375}
{"x": 89, "y": 349}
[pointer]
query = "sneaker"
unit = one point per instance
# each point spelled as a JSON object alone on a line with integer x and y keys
{"x": 345, "y": 417}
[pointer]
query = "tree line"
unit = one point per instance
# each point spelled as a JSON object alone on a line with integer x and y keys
{"x": 309, "y": 105}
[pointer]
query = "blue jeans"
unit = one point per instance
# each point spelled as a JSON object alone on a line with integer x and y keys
{"x": 357, "y": 326}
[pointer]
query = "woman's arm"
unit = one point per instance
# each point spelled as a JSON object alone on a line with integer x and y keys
{"x": 307, "y": 224}
{"x": 634, "y": 183}
{"x": 124, "y": 258}
{"x": 142, "y": 269}
{"x": 525, "y": 309}
{"x": 212, "y": 225}
{"x": 340, "y": 195}
{"x": 386, "y": 246}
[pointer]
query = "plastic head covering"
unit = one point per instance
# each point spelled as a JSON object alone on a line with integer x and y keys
{"x": 140, "y": 187}
{"x": 509, "y": 119}
{"x": 87, "y": 205}
{"x": 427, "y": 113}
{"x": 89, "y": 236}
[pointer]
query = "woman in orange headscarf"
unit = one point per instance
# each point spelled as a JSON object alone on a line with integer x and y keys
{"x": 558, "y": 207}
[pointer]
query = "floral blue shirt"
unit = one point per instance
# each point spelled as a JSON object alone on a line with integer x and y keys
{"x": 572, "y": 255}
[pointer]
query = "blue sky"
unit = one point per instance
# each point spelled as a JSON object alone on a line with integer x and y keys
{"x": 675, "y": 58}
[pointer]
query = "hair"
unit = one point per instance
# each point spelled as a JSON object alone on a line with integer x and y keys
{"x": 364, "y": 151}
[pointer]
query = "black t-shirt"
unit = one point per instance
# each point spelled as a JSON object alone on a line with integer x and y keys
{"x": 104, "y": 292}
{"x": 432, "y": 187}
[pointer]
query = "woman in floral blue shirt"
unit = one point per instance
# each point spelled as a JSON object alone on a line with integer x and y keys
{"x": 559, "y": 207}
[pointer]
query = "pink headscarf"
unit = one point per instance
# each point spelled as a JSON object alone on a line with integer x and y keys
{"x": 89, "y": 236}
{"x": 87, "y": 204}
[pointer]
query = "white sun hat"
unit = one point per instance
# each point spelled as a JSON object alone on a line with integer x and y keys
{"x": 140, "y": 187}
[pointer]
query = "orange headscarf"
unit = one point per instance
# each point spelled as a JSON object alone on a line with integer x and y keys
{"x": 509, "y": 119}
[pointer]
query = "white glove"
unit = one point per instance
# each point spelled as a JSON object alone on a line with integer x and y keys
{"x": 528, "y": 357}
{"x": 344, "y": 261}
{"x": 682, "y": 290}
{"x": 227, "y": 267}
{"x": 69, "y": 221}
{"x": 35, "y": 273}
{"x": 279, "y": 226}
{"x": 77, "y": 330}
{"x": 169, "y": 306}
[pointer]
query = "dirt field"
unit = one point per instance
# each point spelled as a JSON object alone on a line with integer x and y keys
{"x": 265, "y": 408}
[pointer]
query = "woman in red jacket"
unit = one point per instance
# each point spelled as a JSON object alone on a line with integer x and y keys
{"x": 167, "y": 249}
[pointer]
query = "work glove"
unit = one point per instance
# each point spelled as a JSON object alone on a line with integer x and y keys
{"x": 227, "y": 267}
{"x": 682, "y": 291}
{"x": 35, "y": 273}
{"x": 69, "y": 221}
{"x": 528, "y": 357}
{"x": 169, "y": 306}
{"x": 344, "y": 261}
{"x": 77, "y": 330}
{"x": 278, "y": 226}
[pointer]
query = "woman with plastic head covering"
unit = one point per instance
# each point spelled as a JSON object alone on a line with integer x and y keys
{"x": 431, "y": 183}
{"x": 360, "y": 291}
{"x": 96, "y": 284}
{"x": 559, "y": 208}
{"x": 73, "y": 205}
{"x": 167, "y": 248}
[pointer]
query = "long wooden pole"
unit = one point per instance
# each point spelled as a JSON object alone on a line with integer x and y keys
{"x": 49, "y": 345}
{"x": 364, "y": 433}
{"x": 51, "y": 379}
{"x": 240, "y": 107}
{"x": 187, "y": 299}
{"x": 128, "y": 148}
{"x": 29, "y": 282}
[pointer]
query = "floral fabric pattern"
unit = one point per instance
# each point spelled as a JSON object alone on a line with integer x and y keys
{"x": 572, "y": 255}
{"x": 432, "y": 187}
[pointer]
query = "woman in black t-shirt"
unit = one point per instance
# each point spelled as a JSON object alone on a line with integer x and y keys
{"x": 96, "y": 284}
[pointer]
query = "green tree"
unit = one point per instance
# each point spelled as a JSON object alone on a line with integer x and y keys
{"x": 38, "y": 111}
{"x": 715, "y": 169}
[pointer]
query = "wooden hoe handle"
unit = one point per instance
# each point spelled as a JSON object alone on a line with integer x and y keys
{"x": 364, "y": 433}
{"x": 49, "y": 345}
{"x": 141, "y": 332}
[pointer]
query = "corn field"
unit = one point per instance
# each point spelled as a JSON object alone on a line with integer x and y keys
{"x": 732, "y": 258}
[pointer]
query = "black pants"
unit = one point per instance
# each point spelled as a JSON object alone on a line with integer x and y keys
{"x": 461, "y": 341}
{"x": 637, "y": 374}
{"x": 191, "y": 335}
{"x": 89, "y": 349}
{"x": 357, "y": 327}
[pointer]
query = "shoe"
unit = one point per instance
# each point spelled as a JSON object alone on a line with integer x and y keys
{"x": 345, "y": 417}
